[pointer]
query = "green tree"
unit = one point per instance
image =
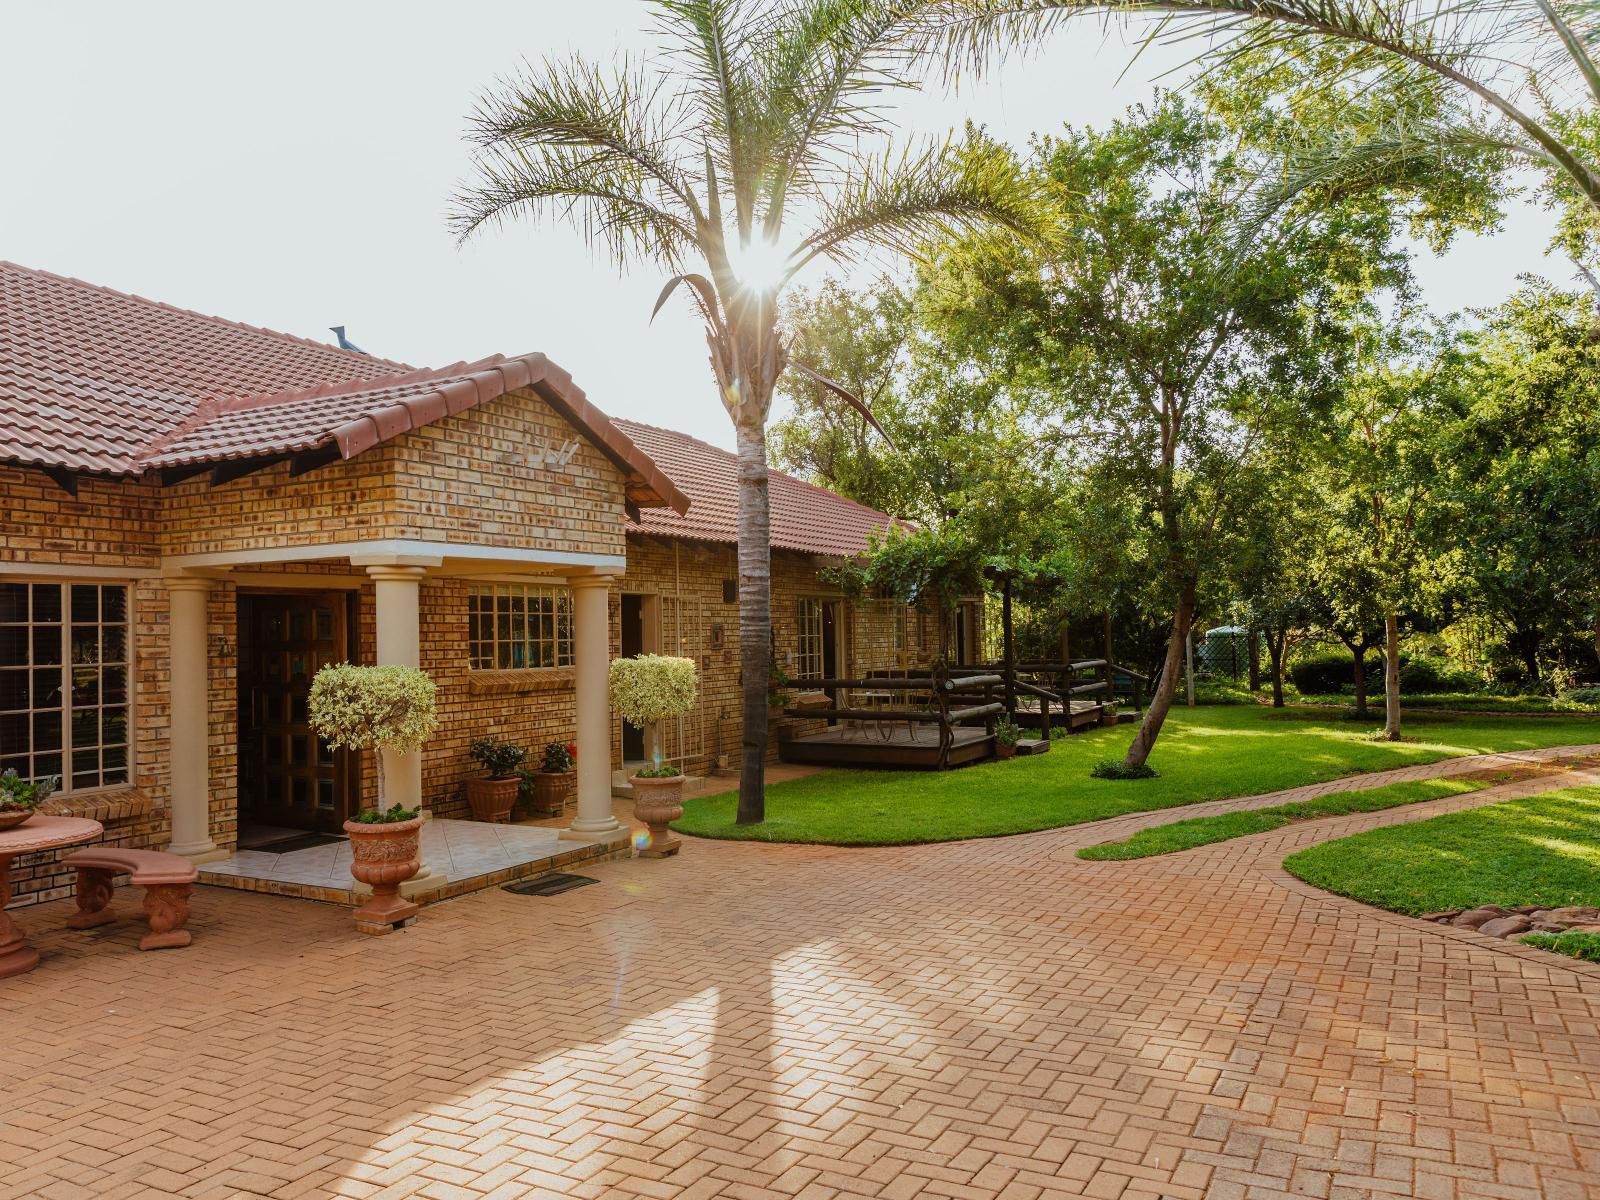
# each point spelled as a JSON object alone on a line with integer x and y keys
{"x": 1180, "y": 373}
{"x": 1381, "y": 473}
{"x": 1524, "y": 468}
{"x": 702, "y": 161}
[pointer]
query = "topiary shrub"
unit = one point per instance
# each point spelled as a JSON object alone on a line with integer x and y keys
{"x": 649, "y": 688}
{"x": 374, "y": 708}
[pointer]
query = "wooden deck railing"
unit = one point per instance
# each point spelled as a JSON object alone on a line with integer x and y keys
{"x": 944, "y": 694}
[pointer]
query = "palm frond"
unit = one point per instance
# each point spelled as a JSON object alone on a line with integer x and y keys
{"x": 899, "y": 201}
{"x": 825, "y": 63}
{"x": 620, "y": 121}
{"x": 1496, "y": 51}
{"x": 603, "y": 200}
{"x": 1395, "y": 158}
{"x": 713, "y": 41}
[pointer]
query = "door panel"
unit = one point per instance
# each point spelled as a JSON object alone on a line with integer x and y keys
{"x": 287, "y": 775}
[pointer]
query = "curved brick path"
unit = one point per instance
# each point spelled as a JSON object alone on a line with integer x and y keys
{"x": 967, "y": 1020}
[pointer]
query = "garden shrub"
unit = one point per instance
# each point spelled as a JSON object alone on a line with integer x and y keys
{"x": 1111, "y": 768}
{"x": 1426, "y": 673}
{"x": 1325, "y": 673}
{"x": 1584, "y": 699}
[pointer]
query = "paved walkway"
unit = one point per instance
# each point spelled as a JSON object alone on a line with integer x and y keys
{"x": 976, "y": 1019}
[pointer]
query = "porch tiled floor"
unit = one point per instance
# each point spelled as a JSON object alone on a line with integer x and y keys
{"x": 462, "y": 855}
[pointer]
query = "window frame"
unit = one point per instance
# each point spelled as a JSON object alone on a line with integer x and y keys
{"x": 128, "y": 705}
{"x": 560, "y": 640}
{"x": 803, "y": 620}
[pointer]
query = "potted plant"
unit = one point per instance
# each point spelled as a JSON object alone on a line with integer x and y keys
{"x": 20, "y": 799}
{"x": 779, "y": 695}
{"x": 491, "y": 797}
{"x": 550, "y": 788}
{"x": 1108, "y": 711}
{"x": 649, "y": 688}
{"x": 1007, "y": 734}
{"x": 385, "y": 710}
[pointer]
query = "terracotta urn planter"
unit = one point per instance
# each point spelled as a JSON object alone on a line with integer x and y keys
{"x": 657, "y": 803}
{"x": 383, "y": 857}
{"x": 552, "y": 792}
{"x": 10, "y": 818}
{"x": 492, "y": 799}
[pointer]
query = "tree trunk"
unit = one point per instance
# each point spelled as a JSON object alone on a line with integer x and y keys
{"x": 1359, "y": 653}
{"x": 1276, "y": 642}
{"x": 1156, "y": 714}
{"x": 1391, "y": 677}
{"x": 1253, "y": 644}
{"x": 755, "y": 616}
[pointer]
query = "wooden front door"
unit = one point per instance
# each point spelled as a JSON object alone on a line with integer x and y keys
{"x": 287, "y": 775}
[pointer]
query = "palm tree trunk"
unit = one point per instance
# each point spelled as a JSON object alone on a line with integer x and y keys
{"x": 1166, "y": 687}
{"x": 755, "y": 616}
{"x": 1391, "y": 677}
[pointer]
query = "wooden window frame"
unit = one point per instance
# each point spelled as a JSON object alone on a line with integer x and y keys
{"x": 531, "y": 649}
{"x": 125, "y": 773}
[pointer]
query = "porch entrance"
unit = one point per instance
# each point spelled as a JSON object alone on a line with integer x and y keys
{"x": 289, "y": 779}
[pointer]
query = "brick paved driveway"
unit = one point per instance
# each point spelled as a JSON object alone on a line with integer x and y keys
{"x": 977, "y": 1019}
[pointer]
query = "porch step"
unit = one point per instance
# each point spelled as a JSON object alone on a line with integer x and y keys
{"x": 1033, "y": 746}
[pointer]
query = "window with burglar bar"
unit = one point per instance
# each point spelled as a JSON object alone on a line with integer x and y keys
{"x": 64, "y": 682}
{"x": 513, "y": 626}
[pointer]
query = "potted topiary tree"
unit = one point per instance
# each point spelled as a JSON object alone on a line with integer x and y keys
{"x": 379, "y": 709}
{"x": 551, "y": 786}
{"x": 20, "y": 799}
{"x": 491, "y": 797}
{"x": 649, "y": 688}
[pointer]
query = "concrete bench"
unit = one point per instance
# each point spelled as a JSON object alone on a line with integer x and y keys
{"x": 165, "y": 878}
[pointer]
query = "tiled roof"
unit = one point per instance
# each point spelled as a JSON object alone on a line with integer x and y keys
{"x": 804, "y": 517}
{"x": 97, "y": 381}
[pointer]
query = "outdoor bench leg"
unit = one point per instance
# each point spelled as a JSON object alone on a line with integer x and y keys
{"x": 168, "y": 908}
{"x": 94, "y": 899}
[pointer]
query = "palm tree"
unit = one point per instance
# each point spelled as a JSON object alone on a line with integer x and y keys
{"x": 1524, "y": 70}
{"x": 699, "y": 161}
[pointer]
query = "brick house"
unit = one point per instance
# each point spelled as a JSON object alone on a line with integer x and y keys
{"x": 197, "y": 514}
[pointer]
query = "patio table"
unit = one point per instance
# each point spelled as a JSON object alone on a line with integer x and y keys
{"x": 40, "y": 833}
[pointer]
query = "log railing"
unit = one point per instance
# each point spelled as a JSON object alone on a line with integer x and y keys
{"x": 951, "y": 701}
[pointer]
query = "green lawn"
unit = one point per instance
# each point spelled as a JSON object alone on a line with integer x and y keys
{"x": 1541, "y": 850}
{"x": 1571, "y": 943}
{"x": 1204, "y": 754}
{"x": 1466, "y": 701}
{"x": 1203, "y": 831}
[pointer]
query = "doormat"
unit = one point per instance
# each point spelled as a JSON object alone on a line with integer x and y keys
{"x": 303, "y": 841}
{"x": 548, "y": 885}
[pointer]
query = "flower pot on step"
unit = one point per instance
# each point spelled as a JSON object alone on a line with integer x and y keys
{"x": 552, "y": 792}
{"x": 492, "y": 799}
{"x": 657, "y": 803}
{"x": 383, "y": 856}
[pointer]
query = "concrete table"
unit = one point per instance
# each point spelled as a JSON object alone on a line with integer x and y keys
{"x": 39, "y": 833}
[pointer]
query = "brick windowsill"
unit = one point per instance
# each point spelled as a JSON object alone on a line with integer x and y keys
{"x": 532, "y": 679}
{"x": 121, "y": 804}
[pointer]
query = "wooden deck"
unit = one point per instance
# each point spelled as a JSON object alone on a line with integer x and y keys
{"x": 918, "y": 746}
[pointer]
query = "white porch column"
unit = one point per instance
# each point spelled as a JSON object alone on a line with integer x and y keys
{"x": 399, "y": 616}
{"x": 591, "y": 638}
{"x": 190, "y": 750}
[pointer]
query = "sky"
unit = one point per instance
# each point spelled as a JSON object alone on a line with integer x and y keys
{"x": 290, "y": 165}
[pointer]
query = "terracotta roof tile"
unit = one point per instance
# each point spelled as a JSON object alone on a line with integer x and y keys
{"x": 804, "y": 517}
{"x": 98, "y": 381}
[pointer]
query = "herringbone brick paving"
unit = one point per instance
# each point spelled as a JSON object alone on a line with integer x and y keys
{"x": 980, "y": 1019}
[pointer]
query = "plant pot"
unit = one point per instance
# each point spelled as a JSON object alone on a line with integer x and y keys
{"x": 492, "y": 799}
{"x": 552, "y": 792}
{"x": 1109, "y": 716}
{"x": 657, "y": 803}
{"x": 383, "y": 857}
{"x": 1001, "y": 750}
{"x": 10, "y": 818}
